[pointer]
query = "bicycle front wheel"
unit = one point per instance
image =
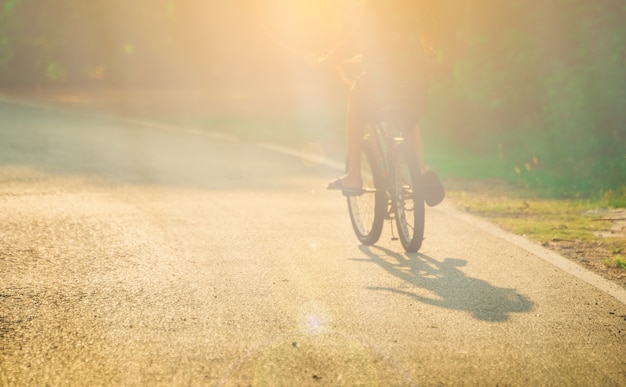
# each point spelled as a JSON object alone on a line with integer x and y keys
{"x": 408, "y": 198}
{"x": 367, "y": 210}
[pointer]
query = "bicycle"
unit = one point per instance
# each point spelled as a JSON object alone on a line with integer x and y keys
{"x": 391, "y": 189}
{"x": 393, "y": 184}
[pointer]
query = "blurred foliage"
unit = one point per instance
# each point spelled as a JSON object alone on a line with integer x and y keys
{"x": 539, "y": 87}
{"x": 534, "y": 91}
{"x": 52, "y": 43}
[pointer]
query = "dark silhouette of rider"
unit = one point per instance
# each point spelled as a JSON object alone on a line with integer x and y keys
{"x": 395, "y": 55}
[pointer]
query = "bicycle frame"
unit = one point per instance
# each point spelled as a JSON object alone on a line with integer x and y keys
{"x": 385, "y": 135}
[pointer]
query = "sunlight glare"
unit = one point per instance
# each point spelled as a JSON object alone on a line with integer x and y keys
{"x": 308, "y": 26}
{"x": 314, "y": 319}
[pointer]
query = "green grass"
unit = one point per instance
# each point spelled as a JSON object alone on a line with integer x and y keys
{"x": 540, "y": 173}
{"x": 618, "y": 262}
{"x": 618, "y": 250}
{"x": 540, "y": 219}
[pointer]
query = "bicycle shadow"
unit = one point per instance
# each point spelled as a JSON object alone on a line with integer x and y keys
{"x": 450, "y": 287}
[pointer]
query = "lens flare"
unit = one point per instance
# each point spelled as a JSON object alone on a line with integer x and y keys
{"x": 308, "y": 26}
{"x": 314, "y": 319}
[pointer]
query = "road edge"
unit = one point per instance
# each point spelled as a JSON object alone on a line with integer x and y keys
{"x": 539, "y": 251}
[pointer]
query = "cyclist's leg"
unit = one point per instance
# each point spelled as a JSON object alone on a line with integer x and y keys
{"x": 434, "y": 191}
{"x": 355, "y": 127}
{"x": 414, "y": 138}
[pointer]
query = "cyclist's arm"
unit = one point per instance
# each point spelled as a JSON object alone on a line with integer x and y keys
{"x": 355, "y": 64}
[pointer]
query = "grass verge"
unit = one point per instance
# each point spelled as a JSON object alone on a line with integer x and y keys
{"x": 590, "y": 232}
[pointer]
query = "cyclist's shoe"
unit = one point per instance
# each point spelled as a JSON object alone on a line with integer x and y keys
{"x": 433, "y": 189}
{"x": 337, "y": 184}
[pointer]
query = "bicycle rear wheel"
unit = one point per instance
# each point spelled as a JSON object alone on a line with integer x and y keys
{"x": 367, "y": 211}
{"x": 408, "y": 198}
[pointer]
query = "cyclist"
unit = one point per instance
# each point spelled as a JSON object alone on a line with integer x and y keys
{"x": 394, "y": 59}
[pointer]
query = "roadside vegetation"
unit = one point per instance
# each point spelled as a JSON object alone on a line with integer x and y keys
{"x": 591, "y": 232}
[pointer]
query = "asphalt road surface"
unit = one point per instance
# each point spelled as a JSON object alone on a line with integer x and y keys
{"x": 134, "y": 254}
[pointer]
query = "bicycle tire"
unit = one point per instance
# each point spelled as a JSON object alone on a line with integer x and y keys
{"x": 367, "y": 211}
{"x": 408, "y": 198}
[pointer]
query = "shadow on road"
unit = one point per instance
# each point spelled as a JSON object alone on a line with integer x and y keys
{"x": 450, "y": 287}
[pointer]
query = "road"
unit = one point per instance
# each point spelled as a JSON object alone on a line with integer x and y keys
{"x": 135, "y": 254}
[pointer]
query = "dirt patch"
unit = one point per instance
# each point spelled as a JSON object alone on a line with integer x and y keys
{"x": 600, "y": 256}
{"x": 617, "y": 217}
{"x": 595, "y": 256}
